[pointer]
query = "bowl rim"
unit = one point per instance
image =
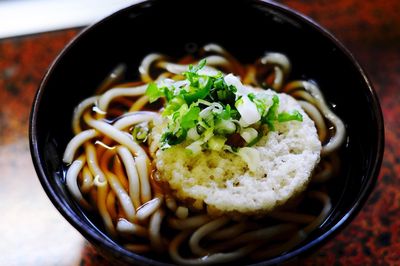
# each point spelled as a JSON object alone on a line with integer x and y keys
{"x": 95, "y": 236}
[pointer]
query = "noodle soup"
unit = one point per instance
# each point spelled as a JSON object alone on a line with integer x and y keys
{"x": 127, "y": 131}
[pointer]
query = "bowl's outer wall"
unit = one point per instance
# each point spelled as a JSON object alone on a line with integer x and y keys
{"x": 247, "y": 31}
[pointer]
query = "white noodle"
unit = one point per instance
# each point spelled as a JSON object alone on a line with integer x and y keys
{"x": 79, "y": 111}
{"x": 278, "y": 80}
{"x": 126, "y": 227}
{"x": 212, "y": 47}
{"x": 98, "y": 110}
{"x": 216, "y": 60}
{"x": 208, "y": 259}
{"x": 179, "y": 69}
{"x": 182, "y": 212}
{"x": 170, "y": 202}
{"x": 133, "y": 177}
{"x": 142, "y": 167}
{"x": 154, "y": 230}
{"x": 204, "y": 230}
{"x": 301, "y": 234}
{"x": 102, "y": 190}
{"x": 144, "y": 67}
{"x": 87, "y": 180}
{"x": 76, "y": 142}
{"x": 277, "y": 59}
{"x": 98, "y": 182}
{"x": 109, "y": 95}
{"x": 325, "y": 174}
{"x": 120, "y": 137}
{"x": 338, "y": 138}
{"x": 189, "y": 223}
{"x": 316, "y": 116}
{"x": 72, "y": 183}
{"x": 326, "y": 201}
{"x": 148, "y": 208}
{"x": 93, "y": 163}
{"x": 229, "y": 232}
{"x": 122, "y": 196}
{"x": 264, "y": 235}
{"x": 134, "y": 118}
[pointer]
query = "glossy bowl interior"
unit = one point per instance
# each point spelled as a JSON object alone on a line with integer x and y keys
{"x": 245, "y": 28}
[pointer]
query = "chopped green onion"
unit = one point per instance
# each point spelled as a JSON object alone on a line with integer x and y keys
{"x": 284, "y": 116}
{"x": 189, "y": 119}
{"x": 141, "y": 132}
{"x": 225, "y": 127}
{"x": 206, "y": 110}
{"x": 153, "y": 92}
{"x": 174, "y": 105}
{"x": 249, "y": 134}
{"x": 216, "y": 143}
{"x": 200, "y": 92}
{"x": 193, "y": 134}
{"x": 272, "y": 114}
{"x": 173, "y": 139}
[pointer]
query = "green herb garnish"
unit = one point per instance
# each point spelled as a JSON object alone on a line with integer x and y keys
{"x": 140, "y": 132}
{"x": 214, "y": 111}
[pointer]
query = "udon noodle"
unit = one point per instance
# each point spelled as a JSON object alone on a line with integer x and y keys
{"x": 112, "y": 175}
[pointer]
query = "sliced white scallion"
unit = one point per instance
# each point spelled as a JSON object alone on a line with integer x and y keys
{"x": 193, "y": 134}
{"x": 217, "y": 108}
{"x": 231, "y": 79}
{"x": 248, "y": 111}
{"x": 249, "y": 134}
{"x": 206, "y": 112}
{"x": 181, "y": 83}
{"x": 225, "y": 127}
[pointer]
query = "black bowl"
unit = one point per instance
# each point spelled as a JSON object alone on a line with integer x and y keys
{"x": 245, "y": 28}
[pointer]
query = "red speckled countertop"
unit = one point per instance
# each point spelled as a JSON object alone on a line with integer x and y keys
{"x": 30, "y": 226}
